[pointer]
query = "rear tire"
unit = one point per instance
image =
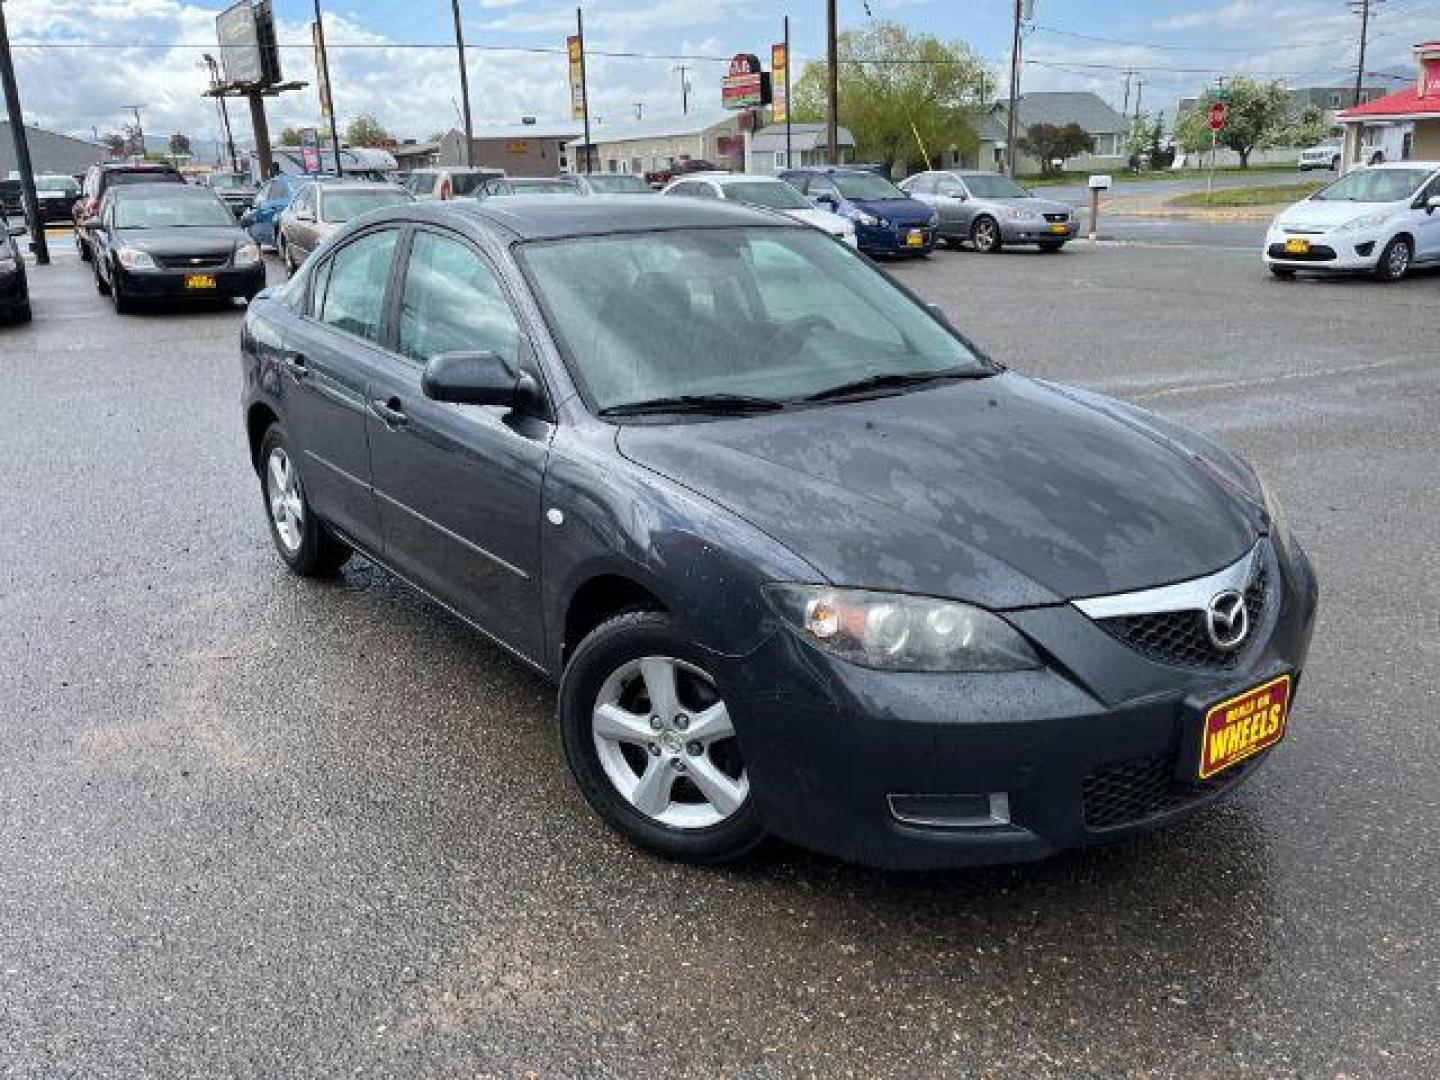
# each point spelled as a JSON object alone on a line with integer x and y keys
{"x": 1050, "y": 246}
{"x": 307, "y": 547}
{"x": 286, "y": 258}
{"x": 1395, "y": 260}
{"x": 100, "y": 285}
{"x": 661, "y": 766}
{"x": 83, "y": 248}
{"x": 985, "y": 235}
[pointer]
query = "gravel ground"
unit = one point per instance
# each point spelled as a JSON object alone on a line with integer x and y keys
{"x": 255, "y": 826}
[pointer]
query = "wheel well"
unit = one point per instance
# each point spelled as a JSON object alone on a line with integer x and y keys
{"x": 601, "y": 599}
{"x": 257, "y": 422}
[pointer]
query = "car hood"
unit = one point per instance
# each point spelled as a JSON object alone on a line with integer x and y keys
{"x": 1322, "y": 214}
{"x": 821, "y": 219}
{"x": 897, "y": 211}
{"x": 1004, "y": 491}
{"x": 207, "y": 241}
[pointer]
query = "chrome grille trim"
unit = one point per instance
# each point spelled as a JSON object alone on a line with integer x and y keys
{"x": 1192, "y": 595}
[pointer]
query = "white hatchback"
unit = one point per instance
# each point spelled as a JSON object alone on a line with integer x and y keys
{"x": 767, "y": 193}
{"x": 1382, "y": 220}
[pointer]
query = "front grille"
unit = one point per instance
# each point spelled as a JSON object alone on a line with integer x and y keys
{"x": 1317, "y": 253}
{"x": 191, "y": 262}
{"x": 1179, "y": 638}
{"x": 1057, "y": 217}
{"x": 1130, "y": 792}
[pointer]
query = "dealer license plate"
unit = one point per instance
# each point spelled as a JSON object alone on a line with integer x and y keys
{"x": 200, "y": 281}
{"x": 1297, "y": 245}
{"x": 1059, "y": 230}
{"x": 915, "y": 238}
{"x": 1242, "y": 726}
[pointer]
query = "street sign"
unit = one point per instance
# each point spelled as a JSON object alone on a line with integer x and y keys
{"x": 747, "y": 86}
{"x": 1217, "y": 116}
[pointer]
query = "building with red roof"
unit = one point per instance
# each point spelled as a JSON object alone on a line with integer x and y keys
{"x": 1406, "y": 123}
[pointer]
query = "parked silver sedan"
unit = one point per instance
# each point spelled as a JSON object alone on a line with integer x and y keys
{"x": 991, "y": 210}
{"x": 319, "y": 209}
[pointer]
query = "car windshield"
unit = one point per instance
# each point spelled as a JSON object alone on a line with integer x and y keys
{"x": 867, "y": 186}
{"x": 146, "y": 176}
{"x": 65, "y": 185}
{"x": 1374, "y": 186}
{"x": 542, "y": 187}
{"x": 619, "y": 185}
{"x": 986, "y": 186}
{"x": 777, "y": 196}
{"x": 340, "y": 206}
{"x": 154, "y": 212}
{"x": 229, "y": 181}
{"x": 754, "y": 315}
{"x": 468, "y": 183}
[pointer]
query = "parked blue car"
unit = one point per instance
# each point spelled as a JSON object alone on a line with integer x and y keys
{"x": 263, "y": 218}
{"x": 887, "y": 221}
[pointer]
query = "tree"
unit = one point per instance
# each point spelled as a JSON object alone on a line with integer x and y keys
{"x": 1048, "y": 143}
{"x": 179, "y": 145}
{"x": 1307, "y": 129}
{"x": 365, "y": 130}
{"x": 289, "y": 137}
{"x": 117, "y": 144}
{"x": 895, "y": 109}
{"x": 1256, "y": 116}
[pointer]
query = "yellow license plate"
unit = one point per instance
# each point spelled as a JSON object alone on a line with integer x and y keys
{"x": 1297, "y": 246}
{"x": 1242, "y": 726}
{"x": 1059, "y": 230}
{"x": 200, "y": 281}
{"x": 915, "y": 239}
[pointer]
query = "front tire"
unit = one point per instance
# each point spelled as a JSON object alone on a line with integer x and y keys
{"x": 651, "y": 742}
{"x": 286, "y": 258}
{"x": 1051, "y": 246}
{"x": 985, "y": 235}
{"x": 83, "y": 248}
{"x": 302, "y": 540}
{"x": 123, "y": 304}
{"x": 1284, "y": 273}
{"x": 1395, "y": 260}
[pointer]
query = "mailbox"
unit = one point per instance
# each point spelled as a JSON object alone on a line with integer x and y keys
{"x": 1100, "y": 183}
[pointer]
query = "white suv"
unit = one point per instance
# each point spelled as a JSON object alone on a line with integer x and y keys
{"x": 453, "y": 182}
{"x": 1382, "y": 220}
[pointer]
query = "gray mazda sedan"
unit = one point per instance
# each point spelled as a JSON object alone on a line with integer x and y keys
{"x": 802, "y": 560}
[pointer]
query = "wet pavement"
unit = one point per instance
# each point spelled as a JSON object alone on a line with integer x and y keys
{"x": 256, "y": 826}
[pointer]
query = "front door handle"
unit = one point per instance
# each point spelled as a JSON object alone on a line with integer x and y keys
{"x": 297, "y": 366}
{"x": 390, "y": 411}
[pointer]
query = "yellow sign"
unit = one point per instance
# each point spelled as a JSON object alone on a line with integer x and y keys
{"x": 576, "y": 50}
{"x": 779, "y": 85}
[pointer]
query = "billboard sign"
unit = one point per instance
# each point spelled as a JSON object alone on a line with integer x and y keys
{"x": 322, "y": 71}
{"x": 746, "y": 86}
{"x": 310, "y": 149}
{"x": 779, "y": 81}
{"x": 575, "y": 49}
{"x": 269, "y": 43}
{"x": 239, "y": 37}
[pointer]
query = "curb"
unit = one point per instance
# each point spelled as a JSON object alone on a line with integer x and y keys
{"x": 1259, "y": 213}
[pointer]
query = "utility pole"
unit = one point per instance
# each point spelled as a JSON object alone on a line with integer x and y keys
{"x": 789, "y": 106}
{"x": 832, "y": 83}
{"x": 22, "y": 146}
{"x": 1363, "y": 9}
{"x": 224, "y": 113}
{"x": 1139, "y": 90}
{"x": 584, "y": 92}
{"x": 639, "y": 109}
{"x": 1010, "y": 118}
{"x": 684, "y": 88}
{"x": 139, "y": 128}
{"x": 464, "y": 86}
{"x": 1125, "y": 109}
{"x": 329, "y": 91}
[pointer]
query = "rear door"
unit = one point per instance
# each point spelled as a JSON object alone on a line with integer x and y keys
{"x": 459, "y": 486}
{"x": 331, "y": 353}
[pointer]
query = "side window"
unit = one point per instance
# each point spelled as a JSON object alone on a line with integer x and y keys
{"x": 354, "y": 289}
{"x": 424, "y": 183}
{"x": 922, "y": 185}
{"x": 452, "y": 302}
{"x": 1432, "y": 190}
{"x": 319, "y": 279}
{"x": 821, "y": 185}
{"x": 802, "y": 182}
{"x": 685, "y": 187}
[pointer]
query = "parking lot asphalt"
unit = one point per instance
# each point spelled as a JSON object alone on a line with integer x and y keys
{"x": 251, "y": 825}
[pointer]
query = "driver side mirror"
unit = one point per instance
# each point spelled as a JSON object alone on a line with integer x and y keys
{"x": 825, "y": 202}
{"x": 1432, "y": 204}
{"x": 477, "y": 378}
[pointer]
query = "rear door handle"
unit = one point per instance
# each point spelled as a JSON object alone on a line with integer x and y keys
{"x": 390, "y": 411}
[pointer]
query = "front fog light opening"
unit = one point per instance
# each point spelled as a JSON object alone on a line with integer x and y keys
{"x": 986, "y": 810}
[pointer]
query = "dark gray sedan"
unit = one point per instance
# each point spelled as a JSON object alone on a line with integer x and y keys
{"x": 990, "y": 211}
{"x": 801, "y": 559}
{"x": 319, "y": 209}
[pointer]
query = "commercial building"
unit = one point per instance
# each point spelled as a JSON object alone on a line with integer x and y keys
{"x": 808, "y": 146}
{"x": 656, "y": 145}
{"x": 1402, "y": 125}
{"x": 524, "y": 149}
{"x": 50, "y": 152}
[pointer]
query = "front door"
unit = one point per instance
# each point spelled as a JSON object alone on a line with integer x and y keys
{"x": 1427, "y": 223}
{"x": 459, "y": 486}
{"x": 330, "y": 355}
{"x": 952, "y": 204}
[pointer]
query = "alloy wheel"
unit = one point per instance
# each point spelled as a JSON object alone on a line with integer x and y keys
{"x": 666, "y": 742}
{"x": 287, "y": 504}
{"x": 987, "y": 235}
{"x": 1397, "y": 260}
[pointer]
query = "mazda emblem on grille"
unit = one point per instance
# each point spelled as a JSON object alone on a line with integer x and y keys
{"x": 1226, "y": 620}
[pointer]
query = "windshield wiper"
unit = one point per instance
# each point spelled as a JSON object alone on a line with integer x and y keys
{"x": 695, "y": 403}
{"x": 894, "y": 381}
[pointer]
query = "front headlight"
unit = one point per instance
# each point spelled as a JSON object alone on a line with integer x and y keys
{"x": 135, "y": 259}
{"x": 1368, "y": 221}
{"x": 867, "y": 219}
{"x": 933, "y": 220}
{"x": 1017, "y": 214}
{"x": 1274, "y": 512}
{"x": 247, "y": 255}
{"x": 899, "y": 632}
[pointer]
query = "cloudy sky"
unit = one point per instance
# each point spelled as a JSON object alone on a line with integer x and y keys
{"x": 88, "y": 58}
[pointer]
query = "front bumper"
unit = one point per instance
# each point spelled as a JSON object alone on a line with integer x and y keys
{"x": 1340, "y": 252}
{"x": 14, "y": 291}
{"x": 170, "y": 284}
{"x": 829, "y": 745}
{"x": 1036, "y": 232}
{"x": 894, "y": 239}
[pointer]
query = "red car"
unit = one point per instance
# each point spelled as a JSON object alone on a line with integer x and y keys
{"x": 661, "y": 177}
{"x": 99, "y": 178}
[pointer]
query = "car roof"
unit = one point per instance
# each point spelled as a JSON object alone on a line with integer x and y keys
{"x": 836, "y": 170}
{"x": 546, "y": 217}
{"x": 340, "y": 186}
{"x": 137, "y": 166}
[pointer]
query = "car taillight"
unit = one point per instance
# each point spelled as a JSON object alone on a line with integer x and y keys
{"x": 92, "y": 208}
